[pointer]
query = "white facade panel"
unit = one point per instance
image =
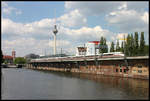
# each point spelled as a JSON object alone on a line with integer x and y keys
{"x": 90, "y": 48}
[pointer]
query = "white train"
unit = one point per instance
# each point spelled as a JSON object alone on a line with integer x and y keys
{"x": 113, "y": 53}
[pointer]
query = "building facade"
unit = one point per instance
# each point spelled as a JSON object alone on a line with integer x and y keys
{"x": 8, "y": 59}
{"x": 131, "y": 67}
{"x": 90, "y": 48}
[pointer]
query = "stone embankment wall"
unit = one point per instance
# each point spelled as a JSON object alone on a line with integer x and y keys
{"x": 134, "y": 68}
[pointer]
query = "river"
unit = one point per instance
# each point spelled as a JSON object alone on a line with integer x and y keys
{"x": 21, "y": 83}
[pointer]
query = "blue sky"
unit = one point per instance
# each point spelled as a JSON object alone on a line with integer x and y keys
{"x": 33, "y": 11}
{"x": 27, "y": 26}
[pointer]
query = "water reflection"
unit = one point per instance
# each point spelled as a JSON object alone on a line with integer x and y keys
{"x": 134, "y": 87}
{"x": 131, "y": 87}
{"x": 35, "y": 84}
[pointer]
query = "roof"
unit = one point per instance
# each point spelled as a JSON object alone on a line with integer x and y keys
{"x": 7, "y": 57}
{"x": 96, "y": 42}
{"x": 92, "y": 58}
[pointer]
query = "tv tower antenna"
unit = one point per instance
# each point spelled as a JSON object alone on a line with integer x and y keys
{"x": 55, "y": 31}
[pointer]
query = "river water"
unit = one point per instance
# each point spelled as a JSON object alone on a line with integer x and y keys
{"x": 34, "y": 84}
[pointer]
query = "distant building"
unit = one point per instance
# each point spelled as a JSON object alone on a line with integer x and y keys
{"x": 8, "y": 59}
{"x": 13, "y": 54}
{"x": 31, "y": 56}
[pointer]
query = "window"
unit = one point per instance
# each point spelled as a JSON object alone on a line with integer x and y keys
{"x": 125, "y": 70}
{"x": 139, "y": 71}
{"x": 120, "y": 70}
{"x": 120, "y": 66}
{"x": 134, "y": 71}
{"x": 139, "y": 66}
{"x": 116, "y": 70}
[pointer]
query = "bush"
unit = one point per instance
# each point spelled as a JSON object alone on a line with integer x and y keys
{"x": 19, "y": 60}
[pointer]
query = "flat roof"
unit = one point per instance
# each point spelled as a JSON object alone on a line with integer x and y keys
{"x": 57, "y": 59}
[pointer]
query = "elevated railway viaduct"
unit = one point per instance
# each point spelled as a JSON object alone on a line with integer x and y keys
{"x": 134, "y": 67}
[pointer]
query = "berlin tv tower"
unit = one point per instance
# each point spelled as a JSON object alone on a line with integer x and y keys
{"x": 55, "y": 31}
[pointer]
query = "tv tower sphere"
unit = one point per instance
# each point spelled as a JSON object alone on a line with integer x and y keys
{"x": 55, "y": 30}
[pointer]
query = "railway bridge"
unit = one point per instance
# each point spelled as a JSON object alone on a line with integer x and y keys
{"x": 134, "y": 67}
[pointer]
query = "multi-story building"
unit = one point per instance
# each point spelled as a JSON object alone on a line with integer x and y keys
{"x": 90, "y": 48}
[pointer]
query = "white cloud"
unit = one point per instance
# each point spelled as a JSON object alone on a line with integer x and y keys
{"x": 138, "y": 6}
{"x": 103, "y": 7}
{"x": 128, "y": 20}
{"x": 18, "y": 12}
{"x": 87, "y": 33}
{"x": 121, "y": 36}
{"x": 14, "y": 28}
{"x": 123, "y": 6}
{"x": 4, "y": 4}
{"x": 145, "y": 17}
{"x": 7, "y": 10}
{"x": 125, "y": 16}
{"x": 24, "y": 46}
{"x": 41, "y": 28}
{"x": 34, "y": 37}
{"x": 72, "y": 19}
{"x": 92, "y": 8}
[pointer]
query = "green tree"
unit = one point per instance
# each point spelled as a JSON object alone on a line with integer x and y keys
{"x": 136, "y": 44}
{"x": 131, "y": 48}
{"x": 117, "y": 46}
{"x": 19, "y": 60}
{"x": 122, "y": 47}
{"x": 128, "y": 45}
{"x": 146, "y": 50}
{"x": 101, "y": 44}
{"x": 112, "y": 47}
{"x": 142, "y": 44}
{"x": 105, "y": 46}
{"x": 125, "y": 49}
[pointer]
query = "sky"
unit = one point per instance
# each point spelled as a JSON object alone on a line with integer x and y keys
{"x": 27, "y": 25}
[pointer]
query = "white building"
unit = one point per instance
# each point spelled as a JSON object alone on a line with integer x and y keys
{"x": 91, "y": 48}
{"x": 81, "y": 51}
